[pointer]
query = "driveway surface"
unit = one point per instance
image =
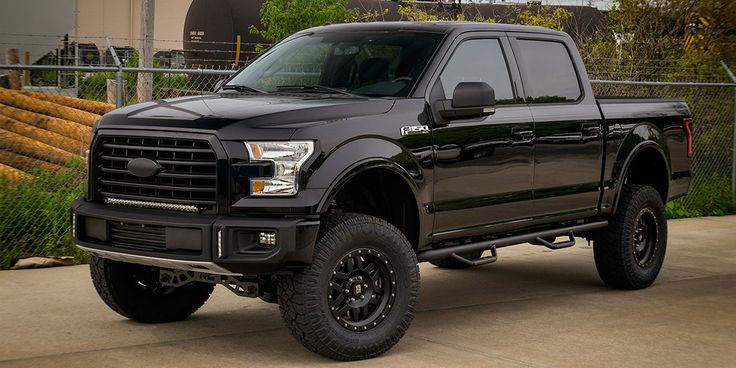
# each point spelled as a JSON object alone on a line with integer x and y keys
{"x": 532, "y": 308}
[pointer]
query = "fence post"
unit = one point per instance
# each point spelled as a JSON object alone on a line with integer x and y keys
{"x": 119, "y": 83}
{"x": 12, "y": 57}
{"x": 119, "y": 88}
{"x": 733, "y": 142}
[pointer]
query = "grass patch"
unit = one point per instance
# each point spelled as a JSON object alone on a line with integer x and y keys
{"x": 711, "y": 197}
{"x": 34, "y": 215}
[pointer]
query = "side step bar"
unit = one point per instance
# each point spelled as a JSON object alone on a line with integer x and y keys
{"x": 537, "y": 237}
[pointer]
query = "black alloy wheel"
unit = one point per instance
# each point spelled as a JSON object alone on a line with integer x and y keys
{"x": 645, "y": 237}
{"x": 362, "y": 289}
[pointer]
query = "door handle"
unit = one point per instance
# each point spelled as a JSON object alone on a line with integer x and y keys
{"x": 522, "y": 135}
{"x": 592, "y": 130}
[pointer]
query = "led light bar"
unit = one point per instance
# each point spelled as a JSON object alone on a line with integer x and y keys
{"x": 152, "y": 205}
{"x": 267, "y": 238}
{"x": 219, "y": 243}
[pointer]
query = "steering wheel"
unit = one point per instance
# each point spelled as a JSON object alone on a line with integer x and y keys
{"x": 402, "y": 79}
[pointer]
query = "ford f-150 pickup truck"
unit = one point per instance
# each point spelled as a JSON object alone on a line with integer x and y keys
{"x": 320, "y": 175}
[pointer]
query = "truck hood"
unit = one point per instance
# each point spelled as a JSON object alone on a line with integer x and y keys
{"x": 228, "y": 114}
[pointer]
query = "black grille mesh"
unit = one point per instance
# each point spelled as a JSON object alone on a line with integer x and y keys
{"x": 145, "y": 237}
{"x": 188, "y": 175}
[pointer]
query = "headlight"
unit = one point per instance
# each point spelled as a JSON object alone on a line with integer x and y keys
{"x": 287, "y": 159}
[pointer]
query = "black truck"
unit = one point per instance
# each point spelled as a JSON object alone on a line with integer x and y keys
{"x": 321, "y": 174}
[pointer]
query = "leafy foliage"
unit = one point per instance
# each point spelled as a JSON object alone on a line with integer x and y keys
{"x": 281, "y": 18}
{"x": 413, "y": 12}
{"x": 33, "y": 213}
{"x": 93, "y": 86}
{"x": 544, "y": 16}
{"x": 710, "y": 198}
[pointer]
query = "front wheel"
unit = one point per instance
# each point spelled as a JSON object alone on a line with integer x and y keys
{"x": 356, "y": 300}
{"x": 134, "y": 292}
{"x": 630, "y": 252}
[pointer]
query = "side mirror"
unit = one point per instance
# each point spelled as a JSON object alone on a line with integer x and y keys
{"x": 218, "y": 85}
{"x": 469, "y": 100}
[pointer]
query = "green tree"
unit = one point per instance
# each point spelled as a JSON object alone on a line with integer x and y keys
{"x": 544, "y": 16}
{"x": 281, "y": 18}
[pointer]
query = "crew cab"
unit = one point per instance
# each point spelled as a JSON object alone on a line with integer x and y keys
{"x": 320, "y": 175}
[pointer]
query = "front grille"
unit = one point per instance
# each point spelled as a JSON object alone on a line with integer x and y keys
{"x": 188, "y": 176}
{"x": 145, "y": 237}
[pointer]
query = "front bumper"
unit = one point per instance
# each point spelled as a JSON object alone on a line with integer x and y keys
{"x": 205, "y": 243}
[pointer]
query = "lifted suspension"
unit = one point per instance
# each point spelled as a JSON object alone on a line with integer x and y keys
{"x": 239, "y": 286}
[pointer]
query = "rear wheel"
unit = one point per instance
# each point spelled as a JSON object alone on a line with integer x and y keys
{"x": 630, "y": 252}
{"x": 357, "y": 298}
{"x": 134, "y": 291}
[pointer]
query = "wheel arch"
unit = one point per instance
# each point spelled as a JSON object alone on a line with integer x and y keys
{"x": 645, "y": 163}
{"x": 391, "y": 172}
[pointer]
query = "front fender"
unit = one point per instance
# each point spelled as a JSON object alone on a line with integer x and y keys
{"x": 362, "y": 154}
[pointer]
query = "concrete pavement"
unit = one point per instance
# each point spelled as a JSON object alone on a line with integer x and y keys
{"x": 533, "y": 308}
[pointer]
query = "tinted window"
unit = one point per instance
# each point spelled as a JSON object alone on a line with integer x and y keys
{"x": 548, "y": 71}
{"x": 479, "y": 61}
{"x": 364, "y": 63}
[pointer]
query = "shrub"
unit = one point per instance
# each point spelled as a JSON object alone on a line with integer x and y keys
{"x": 711, "y": 197}
{"x": 93, "y": 86}
{"x": 34, "y": 215}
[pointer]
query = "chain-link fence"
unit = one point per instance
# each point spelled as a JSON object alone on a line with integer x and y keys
{"x": 712, "y": 106}
{"x": 45, "y": 131}
{"x": 44, "y": 136}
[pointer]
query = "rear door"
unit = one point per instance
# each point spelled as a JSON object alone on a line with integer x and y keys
{"x": 483, "y": 166}
{"x": 568, "y": 139}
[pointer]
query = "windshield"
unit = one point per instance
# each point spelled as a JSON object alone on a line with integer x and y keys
{"x": 358, "y": 63}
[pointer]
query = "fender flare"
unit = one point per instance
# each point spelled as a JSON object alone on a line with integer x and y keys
{"x": 359, "y": 168}
{"x": 360, "y": 155}
{"x": 621, "y": 176}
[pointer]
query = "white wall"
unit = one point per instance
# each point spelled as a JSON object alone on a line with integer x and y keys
{"x": 118, "y": 19}
{"x": 40, "y": 17}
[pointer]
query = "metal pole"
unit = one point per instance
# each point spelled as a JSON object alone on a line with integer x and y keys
{"x": 144, "y": 88}
{"x": 118, "y": 75}
{"x": 76, "y": 44}
{"x": 733, "y": 142}
{"x": 119, "y": 90}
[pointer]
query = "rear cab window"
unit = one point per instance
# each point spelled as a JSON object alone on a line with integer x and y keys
{"x": 548, "y": 72}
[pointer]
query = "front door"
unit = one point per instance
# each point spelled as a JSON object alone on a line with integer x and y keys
{"x": 483, "y": 166}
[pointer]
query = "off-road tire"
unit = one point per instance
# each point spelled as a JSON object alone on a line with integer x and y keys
{"x": 303, "y": 297}
{"x": 118, "y": 285}
{"x": 615, "y": 248}
{"x": 454, "y": 264}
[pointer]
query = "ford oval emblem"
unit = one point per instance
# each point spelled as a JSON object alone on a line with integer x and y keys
{"x": 143, "y": 167}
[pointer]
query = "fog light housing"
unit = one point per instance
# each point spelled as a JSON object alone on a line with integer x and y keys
{"x": 267, "y": 238}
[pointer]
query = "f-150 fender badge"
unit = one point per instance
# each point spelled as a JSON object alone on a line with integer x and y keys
{"x": 414, "y": 129}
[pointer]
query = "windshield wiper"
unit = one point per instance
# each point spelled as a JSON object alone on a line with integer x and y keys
{"x": 317, "y": 87}
{"x": 241, "y": 88}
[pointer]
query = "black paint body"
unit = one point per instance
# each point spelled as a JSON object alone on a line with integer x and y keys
{"x": 525, "y": 167}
